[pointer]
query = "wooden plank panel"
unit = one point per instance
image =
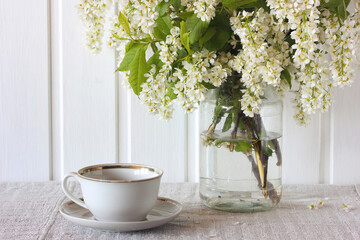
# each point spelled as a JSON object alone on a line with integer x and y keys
{"x": 346, "y": 135}
{"x": 88, "y": 98}
{"x": 193, "y": 143}
{"x": 159, "y": 143}
{"x": 301, "y": 148}
{"x": 24, "y": 91}
{"x": 325, "y": 175}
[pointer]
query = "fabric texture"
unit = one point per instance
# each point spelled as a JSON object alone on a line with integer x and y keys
{"x": 31, "y": 211}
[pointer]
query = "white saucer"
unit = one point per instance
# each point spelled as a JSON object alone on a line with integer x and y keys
{"x": 163, "y": 212}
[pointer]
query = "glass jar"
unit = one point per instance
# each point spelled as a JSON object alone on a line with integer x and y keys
{"x": 240, "y": 157}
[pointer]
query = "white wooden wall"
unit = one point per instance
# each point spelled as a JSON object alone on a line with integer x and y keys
{"x": 62, "y": 108}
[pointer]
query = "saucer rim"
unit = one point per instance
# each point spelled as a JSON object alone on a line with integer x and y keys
{"x": 154, "y": 222}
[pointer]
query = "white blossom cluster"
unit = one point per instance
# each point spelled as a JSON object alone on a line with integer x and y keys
{"x": 142, "y": 15}
{"x": 186, "y": 83}
{"x": 341, "y": 46}
{"x": 154, "y": 94}
{"x": 93, "y": 14}
{"x": 169, "y": 49}
{"x": 315, "y": 34}
{"x": 155, "y": 89}
{"x": 204, "y": 67}
{"x": 263, "y": 56}
{"x": 204, "y": 9}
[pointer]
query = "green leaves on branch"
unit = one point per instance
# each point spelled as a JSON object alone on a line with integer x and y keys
{"x": 135, "y": 62}
{"x": 197, "y": 28}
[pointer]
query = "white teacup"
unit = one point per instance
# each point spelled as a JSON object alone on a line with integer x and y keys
{"x": 117, "y": 192}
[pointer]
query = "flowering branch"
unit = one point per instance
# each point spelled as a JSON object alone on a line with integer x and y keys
{"x": 197, "y": 45}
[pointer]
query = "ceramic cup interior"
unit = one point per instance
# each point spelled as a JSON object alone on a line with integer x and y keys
{"x": 119, "y": 173}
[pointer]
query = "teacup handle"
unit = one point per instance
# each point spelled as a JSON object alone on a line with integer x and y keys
{"x": 64, "y": 186}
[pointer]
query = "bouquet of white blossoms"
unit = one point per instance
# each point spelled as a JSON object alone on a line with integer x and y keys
{"x": 303, "y": 46}
{"x": 176, "y": 50}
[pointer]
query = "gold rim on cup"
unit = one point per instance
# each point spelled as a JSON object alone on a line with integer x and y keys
{"x": 119, "y": 165}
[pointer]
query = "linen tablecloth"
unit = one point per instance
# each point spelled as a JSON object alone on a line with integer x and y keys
{"x": 31, "y": 211}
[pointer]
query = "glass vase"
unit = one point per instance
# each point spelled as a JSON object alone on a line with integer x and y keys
{"x": 240, "y": 157}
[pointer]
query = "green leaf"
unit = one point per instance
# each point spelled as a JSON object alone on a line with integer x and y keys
{"x": 207, "y": 36}
{"x": 218, "y": 113}
{"x": 159, "y": 34}
{"x": 267, "y": 151}
{"x": 257, "y": 4}
{"x": 120, "y": 38}
{"x": 129, "y": 45}
{"x": 124, "y": 23}
{"x": 208, "y": 85}
{"x": 154, "y": 60}
{"x": 331, "y": 3}
{"x": 176, "y": 4}
{"x": 342, "y": 9}
{"x": 221, "y": 21}
{"x": 218, "y": 142}
{"x": 242, "y": 125}
{"x": 129, "y": 57}
{"x": 242, "y": 146}
{"x": 227, "y": 124}
{"x": 162, "y": 7}
{"x": 223, "y": 30}
{"x": 286, "y": 76}
{"x": 138, "y": 68}
{"x": 218, "y": 41}
{"x": 166, "y": 19}
{"x": 234, "y": 4}
{"x": 197, "y": 28}
{"x": 153, "y": 47}
{"x": 182, "y": 54}
{"x": 163, "y": 26}
{"x": 337, "y": 6}
{"x": 170, "y": 91}
{"x": 271, "y": 145}
{"x": 184, "y": 37}
{"x": 185, "y": 15}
